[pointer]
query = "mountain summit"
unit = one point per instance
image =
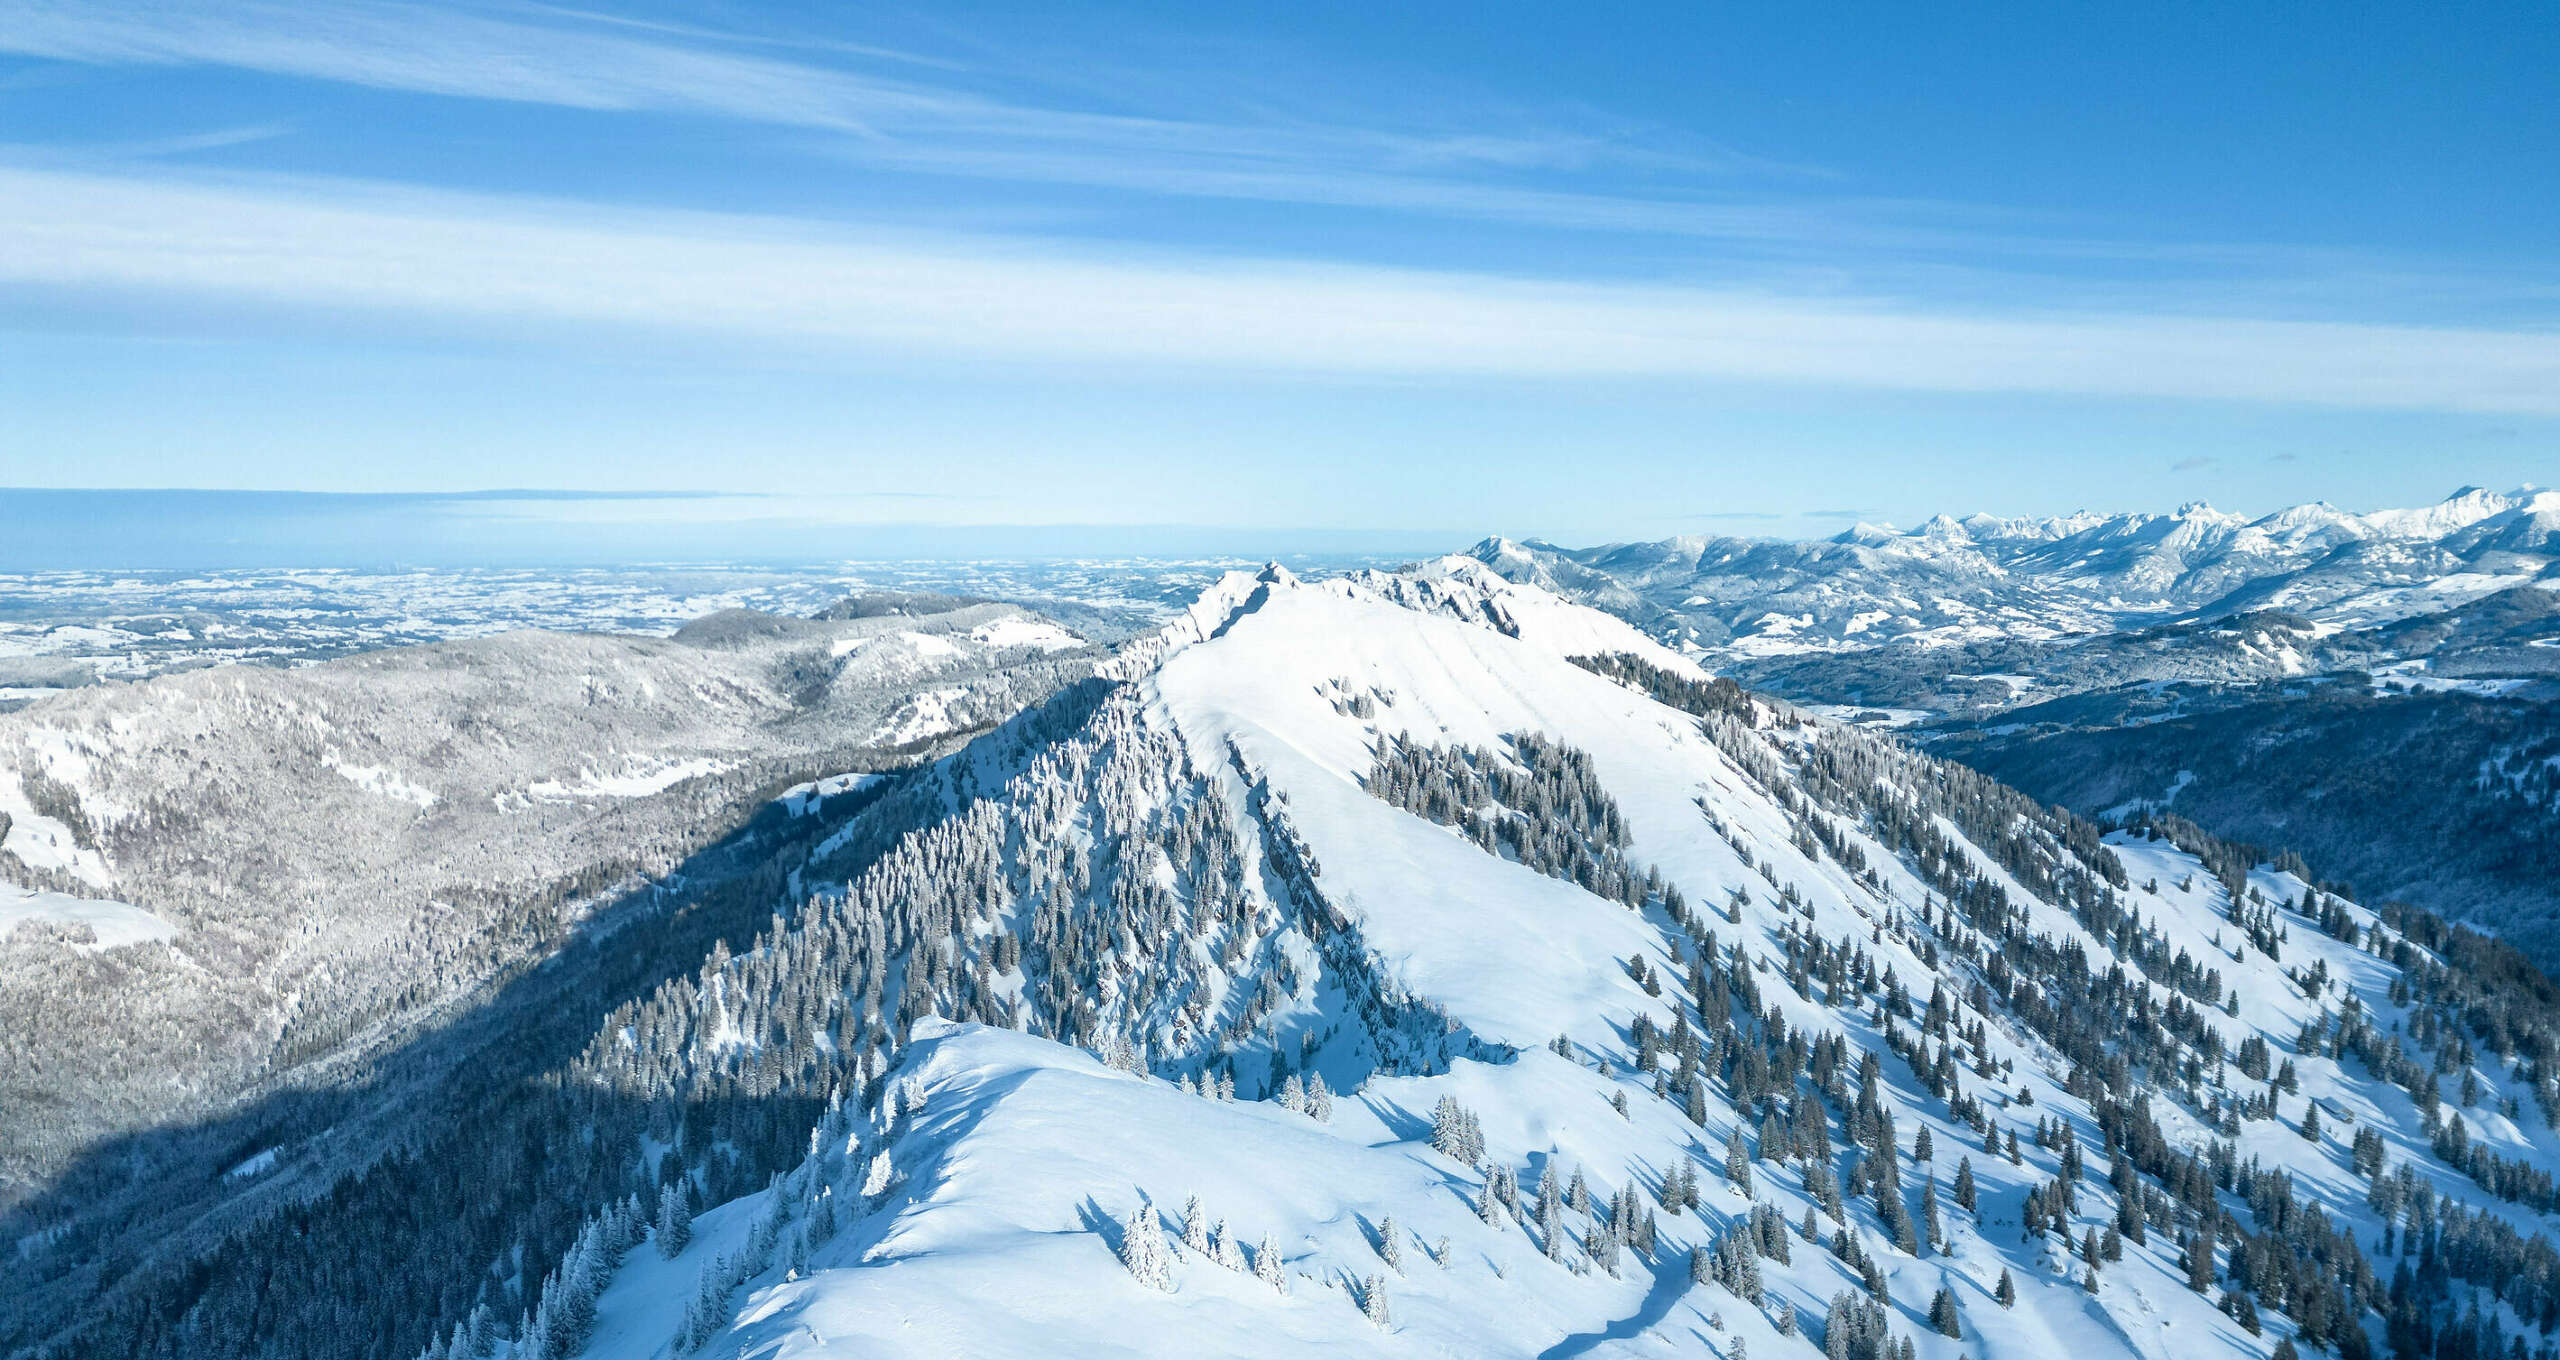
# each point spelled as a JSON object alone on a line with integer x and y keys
{"x": 1419, "y": 961}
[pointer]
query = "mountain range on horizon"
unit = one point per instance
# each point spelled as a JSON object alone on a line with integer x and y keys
{"x": 1983, "y": 577}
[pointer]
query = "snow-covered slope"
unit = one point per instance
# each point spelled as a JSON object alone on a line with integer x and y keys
{"x": 1364, "y": 970}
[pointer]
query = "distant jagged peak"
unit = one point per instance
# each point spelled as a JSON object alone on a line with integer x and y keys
{"x": 1986, "y": 528}
{"x": 2201, "y": 512}
{"x": 1976, "y": 576}
{"x": 1515, "y": 554}
{"x": 1865, "y": 534}
{"x": 2529, "y": 524}
{"x": 2195, "y": 522}
{"x": 2309, "y": 517}
{"x": 2461, "y": 510}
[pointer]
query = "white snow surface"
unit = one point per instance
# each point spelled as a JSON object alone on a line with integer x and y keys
{"x": 630, "y": 781}
{"x": 40, "y": 841}
{"x": 383, "y": 781}
{"x": 1022, "y": 631}
{"x": 802, "y": 799}
{"x": 114, "y": 924}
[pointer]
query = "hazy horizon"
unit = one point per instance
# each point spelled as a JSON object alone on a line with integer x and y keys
{"x": 181, "y": 529}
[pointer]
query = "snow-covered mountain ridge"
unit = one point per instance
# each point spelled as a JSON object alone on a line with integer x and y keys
{"x": 2022, "y": 609}
{"x": 1422, "y": 963}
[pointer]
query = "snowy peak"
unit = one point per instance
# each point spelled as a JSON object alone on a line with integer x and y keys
{"x": 1400, "y": 965}
{"x": 2460, "y": 510}
{"x": 1868, "y": 535}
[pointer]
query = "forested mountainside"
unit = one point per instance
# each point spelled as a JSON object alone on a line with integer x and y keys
{"x": 2444, "y": 799}
{"x": 1422, "y": 963}
{"x": 224, "y": 885}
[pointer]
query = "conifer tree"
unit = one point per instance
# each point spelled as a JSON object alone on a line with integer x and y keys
{"x": 1195, "y": 1226}
{"x": 1673, "y": 1195}
{"x": 1550, "y": 1212}
{"x": 1143, "y": 1251}
{"x": 1373, "y": 1302}
{"x": 675, "y": 1220}
{"x": 2200, "y": 1259}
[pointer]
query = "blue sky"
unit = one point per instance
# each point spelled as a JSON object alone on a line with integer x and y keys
{"x": 1537, "y": 270}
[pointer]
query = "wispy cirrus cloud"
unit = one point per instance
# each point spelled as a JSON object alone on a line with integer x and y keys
{"x": 578, "y": 60}
{"x": 456, "y": 52}
{"x": 984, "y": 117}
{"x": 813, "y": 288}
{"x": 148, "y": 148}
{"x": 883, "y": 109}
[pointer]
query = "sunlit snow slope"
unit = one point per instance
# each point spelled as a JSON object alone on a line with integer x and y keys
{"x": 984, "y": 1198}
